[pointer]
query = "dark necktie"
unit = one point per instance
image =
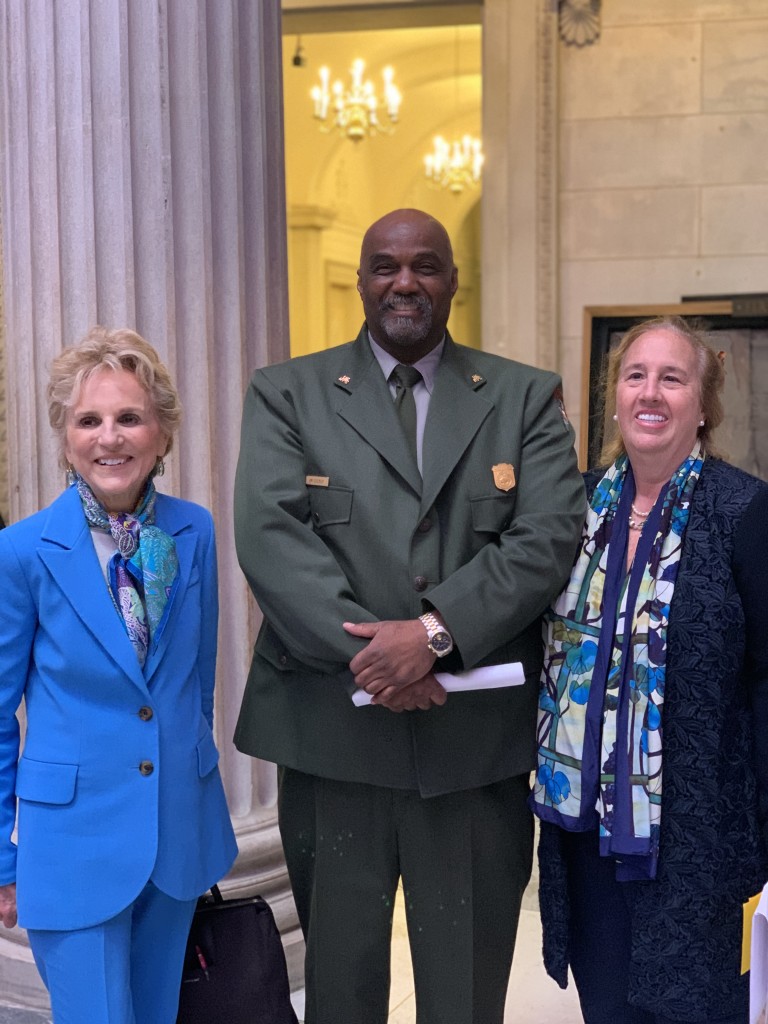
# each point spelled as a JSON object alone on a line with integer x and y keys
{"x": 405, "y": 377}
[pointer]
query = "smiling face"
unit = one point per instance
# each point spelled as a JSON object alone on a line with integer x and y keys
{"x": 658, "y": 400}
{"x": 406, "y": 281}
{"x": 113, "y": 438}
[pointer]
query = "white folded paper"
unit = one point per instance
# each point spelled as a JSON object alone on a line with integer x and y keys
{"x": 489, "y": 678}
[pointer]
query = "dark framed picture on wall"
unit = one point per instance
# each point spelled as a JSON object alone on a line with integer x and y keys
{"x": 732, "y": 325}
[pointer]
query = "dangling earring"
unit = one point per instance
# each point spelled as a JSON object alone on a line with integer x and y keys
{"x": 71, "y": 474}
{"x": 159, "y": 466}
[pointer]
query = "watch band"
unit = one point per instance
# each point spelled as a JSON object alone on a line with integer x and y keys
{"x": 439, "y": 640}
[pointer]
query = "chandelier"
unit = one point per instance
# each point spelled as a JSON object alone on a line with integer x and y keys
{"x": 458, "y": 164}
{"x": 355, "y": 111}
{"x": 455, "y": 165}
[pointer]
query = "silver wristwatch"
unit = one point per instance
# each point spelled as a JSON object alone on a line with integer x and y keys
{"x": 439, "y": 640}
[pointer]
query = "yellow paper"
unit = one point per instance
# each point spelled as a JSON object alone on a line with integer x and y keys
{"x": 748, "y": 910}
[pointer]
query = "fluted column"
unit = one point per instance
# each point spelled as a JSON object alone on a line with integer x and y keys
{"x": 142, "y": 185}
{"x": 3, "y": 417}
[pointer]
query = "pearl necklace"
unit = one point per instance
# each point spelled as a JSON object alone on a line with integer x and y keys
{"x": 639, "y": 523}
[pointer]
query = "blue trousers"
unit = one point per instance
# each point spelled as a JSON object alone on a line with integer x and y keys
{"x": 126, "y": 970}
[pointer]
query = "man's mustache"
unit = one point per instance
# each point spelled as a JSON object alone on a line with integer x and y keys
{"x": 405, "y": 302}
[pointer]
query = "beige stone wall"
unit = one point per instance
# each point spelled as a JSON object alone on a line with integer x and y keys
{"x": 663, "y": 160}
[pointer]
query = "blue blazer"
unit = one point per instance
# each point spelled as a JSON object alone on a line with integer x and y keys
{"x": 118, "y": 780}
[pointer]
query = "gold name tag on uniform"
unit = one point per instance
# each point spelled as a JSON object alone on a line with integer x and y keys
{"x": 504, "y": 476}
{"x": 318, "y": 481}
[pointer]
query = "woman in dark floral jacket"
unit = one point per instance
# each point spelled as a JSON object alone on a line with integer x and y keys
{"x": 652, "y": 783}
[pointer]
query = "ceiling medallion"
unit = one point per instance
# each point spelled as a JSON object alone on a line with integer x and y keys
{"x": 579, "y": 21}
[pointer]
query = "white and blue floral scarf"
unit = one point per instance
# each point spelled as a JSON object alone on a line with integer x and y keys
{"x": 599, "y": 728}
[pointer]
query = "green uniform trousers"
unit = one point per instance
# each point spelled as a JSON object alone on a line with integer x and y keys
{"x": 464, "y": 859}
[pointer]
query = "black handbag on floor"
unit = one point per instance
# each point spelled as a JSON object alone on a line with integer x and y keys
{"x": 234, "y": 966}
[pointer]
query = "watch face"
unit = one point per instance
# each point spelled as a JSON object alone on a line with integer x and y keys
{"x": 441, "y": 642}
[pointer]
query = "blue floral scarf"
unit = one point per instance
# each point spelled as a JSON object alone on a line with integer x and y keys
{"x": 143, "y": 571}
{"x": 602, "y": 690}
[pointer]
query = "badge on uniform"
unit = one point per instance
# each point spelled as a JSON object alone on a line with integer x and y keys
{"x": 318, "y": 481}
{"x": 504, "y": 476}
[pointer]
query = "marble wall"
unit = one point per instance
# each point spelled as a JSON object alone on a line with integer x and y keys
{"x": 663, "y": 162}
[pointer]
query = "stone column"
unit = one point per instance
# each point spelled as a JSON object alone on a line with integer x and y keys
{"x": 3, "y": 429}
{"x": 141, "y": 166}
{"x": 519, "y": 211}
{"x": 308, "y": 286}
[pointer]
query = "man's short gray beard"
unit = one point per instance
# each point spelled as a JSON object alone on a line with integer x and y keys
{"x": 403, "y": 330}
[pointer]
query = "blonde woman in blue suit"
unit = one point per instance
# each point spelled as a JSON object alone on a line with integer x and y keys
{"x": 108, "y": 633}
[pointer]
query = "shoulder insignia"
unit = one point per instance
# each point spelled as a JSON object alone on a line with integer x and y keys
{"x": 557, "y": 394}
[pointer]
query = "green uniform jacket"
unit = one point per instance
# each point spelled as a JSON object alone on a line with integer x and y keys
{"x": 333, "y": 523}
